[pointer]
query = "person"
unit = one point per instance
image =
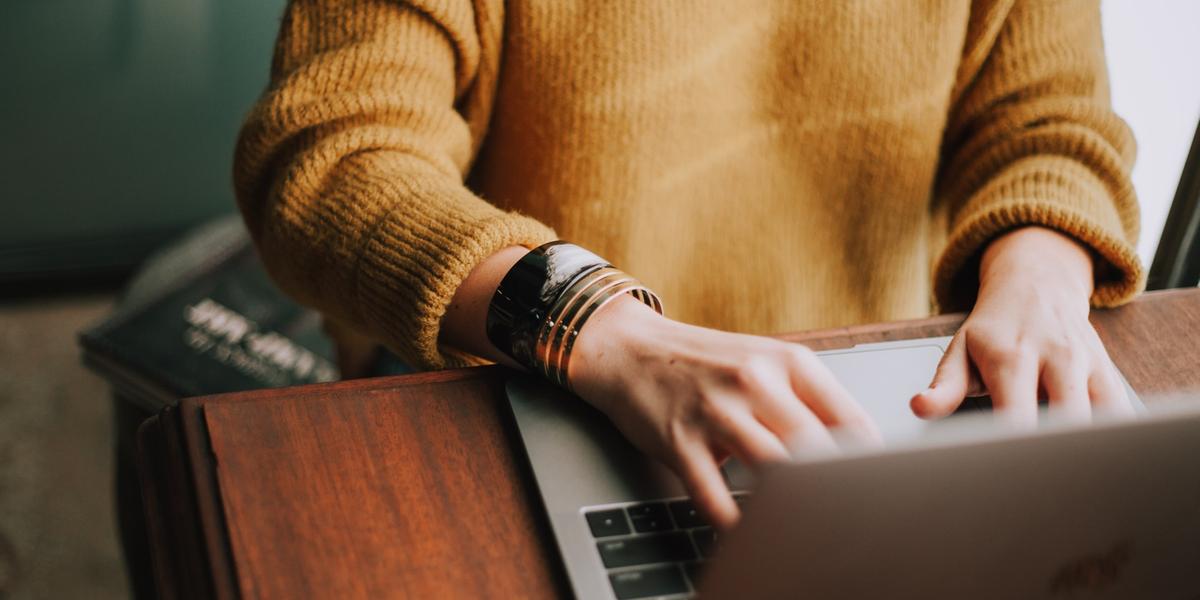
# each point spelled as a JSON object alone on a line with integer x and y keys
{"x": 761, "y": 167}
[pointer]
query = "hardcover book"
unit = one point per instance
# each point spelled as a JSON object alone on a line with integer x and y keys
{"x": 204, "y": 318}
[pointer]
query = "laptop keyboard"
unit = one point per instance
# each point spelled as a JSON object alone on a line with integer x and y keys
{"x": 653, "y": 549}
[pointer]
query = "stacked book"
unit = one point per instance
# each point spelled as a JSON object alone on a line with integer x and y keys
{"x": 203, "y": 317}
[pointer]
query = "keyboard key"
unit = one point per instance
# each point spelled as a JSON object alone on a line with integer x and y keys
{"x": 605, "y": 523}
{"x": 686, "y": 515}
{"x": 644, "y": 583}
{"x": 650, "y": 517}
{"x": 664, "y": 547}
{"x": 706, "y": 540}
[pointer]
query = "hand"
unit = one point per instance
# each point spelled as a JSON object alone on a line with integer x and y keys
{"x": 1028, "y": 336}
{"x": 691, "y": 397}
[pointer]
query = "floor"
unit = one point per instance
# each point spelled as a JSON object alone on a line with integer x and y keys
{"x": 57, "y": 521}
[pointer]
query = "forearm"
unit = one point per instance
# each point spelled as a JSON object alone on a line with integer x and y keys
{"x": 355, "y": 195}
{"x": 1032, "y": 140}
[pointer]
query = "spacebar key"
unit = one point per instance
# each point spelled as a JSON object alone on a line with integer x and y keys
{"x": 644, "y": 550}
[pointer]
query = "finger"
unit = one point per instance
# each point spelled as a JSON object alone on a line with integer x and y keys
{"x": 1066, "y": 385}
{"x": 702, "y": 477}
{"x": 721, "y": 454}
{"x": 748, "y": 439}
{"x": 950, "y": 382}
{"x": 795, "y": 425}
{"x": 1013, "y": 383}
{"x": 776, "y": 406}
{"x": 824, "y": 399}
{"x": 1108, "y": 393}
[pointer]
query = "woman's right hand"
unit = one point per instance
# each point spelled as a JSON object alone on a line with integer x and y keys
{"x": 691, "y": 396}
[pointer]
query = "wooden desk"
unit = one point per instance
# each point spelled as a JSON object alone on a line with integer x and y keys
{"x": 415, "y": 486}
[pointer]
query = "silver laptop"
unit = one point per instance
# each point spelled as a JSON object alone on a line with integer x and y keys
{"x": 958, "y": 508}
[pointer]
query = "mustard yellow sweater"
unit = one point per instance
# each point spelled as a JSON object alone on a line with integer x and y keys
{"x": 764, "y": 166}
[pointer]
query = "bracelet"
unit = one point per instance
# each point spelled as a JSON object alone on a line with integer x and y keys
{"x": 546, "y": 298}
{"x": 525, "y": 295}
{"x": 565, "y": 321}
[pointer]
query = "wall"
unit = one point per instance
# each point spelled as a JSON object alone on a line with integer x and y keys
{"x": 118, "y": 116}
{"x": 1154, "y": 62}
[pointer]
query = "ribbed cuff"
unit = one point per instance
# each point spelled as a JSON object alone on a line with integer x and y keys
{"x": 418, "y": 255}
{"x": 1079, "y": 207}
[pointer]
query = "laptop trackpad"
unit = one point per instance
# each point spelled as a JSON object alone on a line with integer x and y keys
{"x": 884, "y": 379}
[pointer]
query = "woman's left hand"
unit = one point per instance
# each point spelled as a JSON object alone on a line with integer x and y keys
{"x": 1028, "y": 336}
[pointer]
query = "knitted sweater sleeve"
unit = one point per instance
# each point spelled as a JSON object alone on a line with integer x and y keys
{"x": 349, "y": 170}
{"x": 1032, "y": 140}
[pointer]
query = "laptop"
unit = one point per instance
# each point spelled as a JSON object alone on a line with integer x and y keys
{"x": 954, "y": 508}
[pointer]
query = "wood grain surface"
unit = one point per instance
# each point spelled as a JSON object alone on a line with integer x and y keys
{"x": 416, "y": 487}
{"x": 343, "y": 486}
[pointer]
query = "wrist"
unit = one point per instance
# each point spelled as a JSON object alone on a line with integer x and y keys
{"x": 1038, "y": 256}
{"x": 464, "y": 324}
{"x": 608, "y": 336}
{"x": 546, "y": 300}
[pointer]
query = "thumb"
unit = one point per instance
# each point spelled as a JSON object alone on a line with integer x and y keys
{"x": 949, "y": 385}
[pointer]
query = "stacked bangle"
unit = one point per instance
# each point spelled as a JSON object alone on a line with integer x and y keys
{"x": 544, "y": 301}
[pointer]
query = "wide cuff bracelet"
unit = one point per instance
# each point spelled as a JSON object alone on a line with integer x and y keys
{"x": 545, "y": 299}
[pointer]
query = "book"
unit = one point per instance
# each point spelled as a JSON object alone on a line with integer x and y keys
{"x": 204, "y": 317}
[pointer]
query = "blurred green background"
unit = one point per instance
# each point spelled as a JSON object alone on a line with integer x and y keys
{"x": 117, "y": 122}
